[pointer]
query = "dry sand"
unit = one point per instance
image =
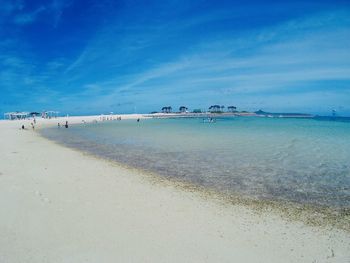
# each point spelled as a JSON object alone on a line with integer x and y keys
{"x": 60, "y": 205}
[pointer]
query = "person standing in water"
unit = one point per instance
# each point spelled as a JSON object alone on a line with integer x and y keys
{"x": 66, "y": 124}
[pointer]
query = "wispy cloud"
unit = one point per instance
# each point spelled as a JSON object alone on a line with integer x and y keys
{"x": 288, "y": 59}
{"x": 196, "y": 59}
{"x": 9, "y": 6}
{"x": 28, "y": 18}
{"x": 57, "y": 8}
{"x": 288, "y": 53}
{"x": 22, "y": 15}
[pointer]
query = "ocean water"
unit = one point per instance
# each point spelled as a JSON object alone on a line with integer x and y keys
{"x": 306, "y": 161}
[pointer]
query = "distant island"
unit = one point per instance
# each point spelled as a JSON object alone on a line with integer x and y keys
{"x": 283, "y": 115}
{"x": 230, "y": 110}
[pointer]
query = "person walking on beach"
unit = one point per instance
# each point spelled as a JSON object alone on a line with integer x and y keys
{"x": 66, "y": 125}
{"x": 32, "y": 126}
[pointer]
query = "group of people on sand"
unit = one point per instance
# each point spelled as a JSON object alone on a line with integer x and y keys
{"x": 32, "y": 124}
{"x": 104, "y": 118}
{"x": 66, "y": 125}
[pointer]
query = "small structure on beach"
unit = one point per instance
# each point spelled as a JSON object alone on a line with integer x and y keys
{"x": 167, "y": 109}
{"x": 49, "y": 114}
{"x": 16, "y": 115}
{"x": 334, "y": 113}
{"x": 34, "y": 114}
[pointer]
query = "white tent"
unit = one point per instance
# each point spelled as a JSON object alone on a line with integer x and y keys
{"x": 50, "y": 114}
{"x": 16, "y": 115}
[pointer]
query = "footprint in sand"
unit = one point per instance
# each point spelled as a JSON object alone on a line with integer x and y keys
{"x": 42, "y": 198}
{"x": 46, "y": 200}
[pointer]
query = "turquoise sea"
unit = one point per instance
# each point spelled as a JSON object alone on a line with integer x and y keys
{"x": 305, "y": 161}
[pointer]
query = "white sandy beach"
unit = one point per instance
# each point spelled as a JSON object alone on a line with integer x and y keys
{"x": 60, "y": 205}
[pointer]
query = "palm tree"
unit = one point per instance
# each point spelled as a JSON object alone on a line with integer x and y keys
{"x": 214, "y": 108}
{"x": 166, "y": 109}
{"x": 183, "y": 109}
{"x": 231, "y": 108}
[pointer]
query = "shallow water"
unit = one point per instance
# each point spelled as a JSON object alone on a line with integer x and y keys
{"x": 299, "y": 160}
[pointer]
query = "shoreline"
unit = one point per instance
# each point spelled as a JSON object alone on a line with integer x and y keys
{"x": 83, "y": 208}
{"x": 309, "y": 214}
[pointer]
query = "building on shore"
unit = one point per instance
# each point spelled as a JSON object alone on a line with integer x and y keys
{"x": 16, "y": 115}
{"x": 49, "y": 114}
{"x": 22, "y": 115}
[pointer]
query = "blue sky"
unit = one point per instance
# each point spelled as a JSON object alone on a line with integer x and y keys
{"x": 91, "y": 57}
